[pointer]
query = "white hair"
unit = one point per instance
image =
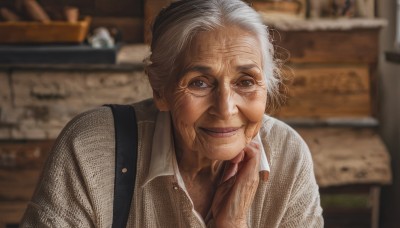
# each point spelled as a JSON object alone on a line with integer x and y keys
{"x": 176, "y": 25}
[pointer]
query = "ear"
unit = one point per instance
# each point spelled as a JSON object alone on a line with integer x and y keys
{"x": 160, "y": 101}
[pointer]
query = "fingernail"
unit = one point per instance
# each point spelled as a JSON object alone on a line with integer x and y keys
{"x": 255, "y": 144}
{"x": 264, "y": 175}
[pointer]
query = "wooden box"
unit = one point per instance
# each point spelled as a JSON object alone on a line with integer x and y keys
{"x": 38, "y": 32}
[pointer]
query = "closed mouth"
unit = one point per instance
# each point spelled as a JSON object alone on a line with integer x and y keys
{"x": 221, "y": 132}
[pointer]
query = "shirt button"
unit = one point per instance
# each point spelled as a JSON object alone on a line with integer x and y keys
{"x": 175, "y": 188}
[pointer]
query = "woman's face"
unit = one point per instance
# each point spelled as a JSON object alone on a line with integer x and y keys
{"x": 218, "y": 99}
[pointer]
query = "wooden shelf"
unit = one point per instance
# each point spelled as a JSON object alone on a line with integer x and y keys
{"x": 285, "y": 23}
{"x": 346, "y": 155}
{"x": 129, "y": 58}
{"x": 332, "y": 122}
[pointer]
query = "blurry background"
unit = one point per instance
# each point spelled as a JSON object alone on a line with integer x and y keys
{"x": 60, "y": 58}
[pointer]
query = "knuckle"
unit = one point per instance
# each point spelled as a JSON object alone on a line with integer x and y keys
{"x": 255, "y": 144}
{"x": 252, "y": 182}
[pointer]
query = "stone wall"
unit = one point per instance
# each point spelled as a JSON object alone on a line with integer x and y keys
{"x": 37, "y": 103}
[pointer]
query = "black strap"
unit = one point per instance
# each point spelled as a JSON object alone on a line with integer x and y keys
{"x": 126, "y": 143}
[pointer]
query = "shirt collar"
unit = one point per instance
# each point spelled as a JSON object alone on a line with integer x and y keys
{"x": 163, "y": 153}
{"x": 163, "y": 160}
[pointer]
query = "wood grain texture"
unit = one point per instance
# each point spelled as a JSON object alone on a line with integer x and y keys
{"x": 20, "y": 166}
{"x": 18, "y": 185}
{"x": 346, "y": 156}
{"x": 330, "y": 46}
{"x": 37, "y": 32}
{"x": 21, "y": 155}
{"x": 151, "y": 9}
{"x": 322, "y": 91}
{"x": 121, "y": 8}
{"x": 101, "y": 8}
{"x": 11, "y": 212}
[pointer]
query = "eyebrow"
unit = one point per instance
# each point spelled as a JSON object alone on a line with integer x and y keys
{"x": 247, "y": 67}
{"x": 198, "y": 68}
{"x": 207, "y": 70}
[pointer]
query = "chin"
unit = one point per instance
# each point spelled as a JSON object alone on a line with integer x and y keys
{"x": 224, "y": 153}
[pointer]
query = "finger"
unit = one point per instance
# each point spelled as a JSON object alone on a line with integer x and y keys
{"x": 238, "y": 157}
{"x": 235, "y": 195}
{"x": 248, "y": 169}
{"x": 230, "y": 170}
{"x": 252, "y": 150}
{"x": 221, "y": 194}
{"x": 230, "y": 167}
{"x": 226, "y": 186}
{"x": 252, "y": 156}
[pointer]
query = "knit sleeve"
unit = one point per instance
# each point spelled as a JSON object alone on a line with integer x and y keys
{"x": 304, "y": 208}
{"x": 76, "y": 184}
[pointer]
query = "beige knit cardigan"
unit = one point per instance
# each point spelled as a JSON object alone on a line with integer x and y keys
{"x": 76, "y": 187}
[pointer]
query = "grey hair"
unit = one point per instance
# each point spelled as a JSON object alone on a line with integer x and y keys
{"x": 176, "y": 25}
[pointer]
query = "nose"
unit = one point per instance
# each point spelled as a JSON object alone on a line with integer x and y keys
{"x": 224, "y": 103}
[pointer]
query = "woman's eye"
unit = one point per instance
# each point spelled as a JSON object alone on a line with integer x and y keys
{"x": 246, "y": 83}
{"x": 200, "y": 87}
{"x": 198, "y": 84}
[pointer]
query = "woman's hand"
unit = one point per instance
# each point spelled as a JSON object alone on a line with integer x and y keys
{"x": 235, "y": 194}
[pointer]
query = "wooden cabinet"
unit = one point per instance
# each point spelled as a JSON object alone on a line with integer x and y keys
{"x": 331, "y": 79}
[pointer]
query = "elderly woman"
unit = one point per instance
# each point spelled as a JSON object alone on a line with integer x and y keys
{"x": 208, "y": 156}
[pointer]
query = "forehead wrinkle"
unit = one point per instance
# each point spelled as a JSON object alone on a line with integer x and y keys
{"x": 226, "y": 48}
{"x": 231, "y": 50}
{"x": 204, "y": 69}
{"x": 204, "y": 63}
{"x": 228, "y": 55}
{"x": 246, "y": 67}
{"x": 225, "y": 43}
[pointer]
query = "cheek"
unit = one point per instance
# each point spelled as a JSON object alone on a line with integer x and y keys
{"x": 187, "y": 107}
{"x": 252, "y": 108}
{"x": 253, "y": 104}
{"x": 186, "y": 111}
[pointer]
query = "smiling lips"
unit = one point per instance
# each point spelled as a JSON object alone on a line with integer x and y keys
{"x": 221, "y": 132}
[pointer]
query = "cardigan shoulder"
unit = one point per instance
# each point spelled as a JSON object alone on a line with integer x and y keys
{"x": 291, "y": 190}
{"x": 281, "y": 140}
{"x": 80, "y": 170}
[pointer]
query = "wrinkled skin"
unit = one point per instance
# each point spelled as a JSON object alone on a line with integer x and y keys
{"x": 217, "y": 102}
